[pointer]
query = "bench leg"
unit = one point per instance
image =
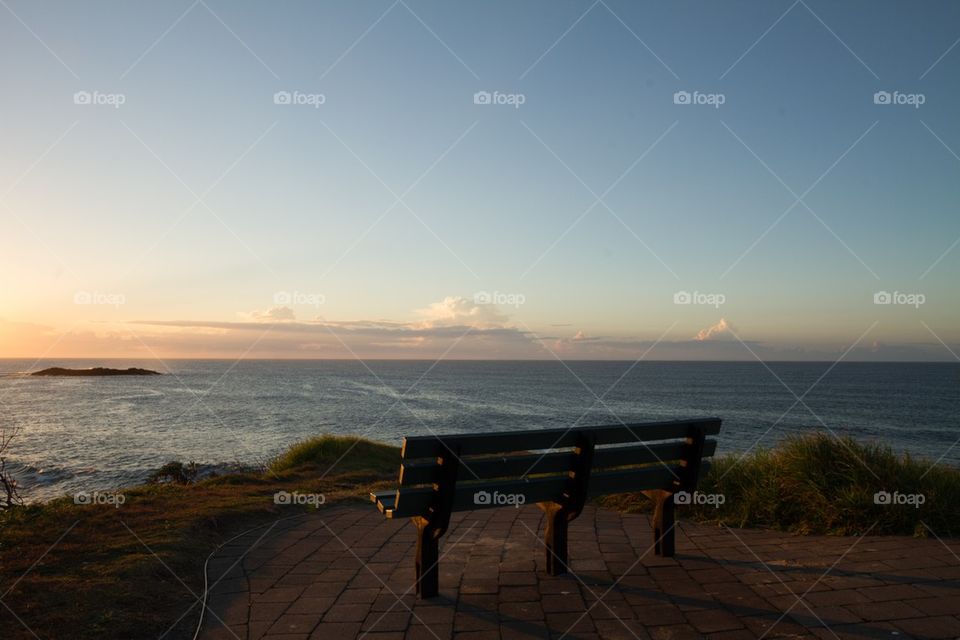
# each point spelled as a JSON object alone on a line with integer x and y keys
{"x": 555, "y": 539}
{"x": 664, "y": 541}
{"x": 427, "y": 561}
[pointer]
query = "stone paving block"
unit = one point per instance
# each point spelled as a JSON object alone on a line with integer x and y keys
{"x": 675, "y": 632}
{"x": 931, "y": 627}
{"x": 346, "y": 613}
{"x": 336, "y": 631}
{"x": 713, "y": 621}
{"x": 391, "y": 621}
{"x": 294, "y": 624}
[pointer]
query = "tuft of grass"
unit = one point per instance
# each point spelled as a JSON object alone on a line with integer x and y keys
{"x": 818, "y": 483}
{"x": 338, "y": 453}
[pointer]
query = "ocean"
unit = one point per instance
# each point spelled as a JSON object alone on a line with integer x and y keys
{"x": 85, "y": 434}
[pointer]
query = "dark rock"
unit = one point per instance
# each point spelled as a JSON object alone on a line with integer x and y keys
{"x": 95, "y": 371}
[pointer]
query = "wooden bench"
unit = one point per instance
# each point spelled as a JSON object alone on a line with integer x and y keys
{"x": 559, "y": 469}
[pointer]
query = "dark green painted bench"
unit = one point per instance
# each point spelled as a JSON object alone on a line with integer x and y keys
{"x": 559, "y": 469}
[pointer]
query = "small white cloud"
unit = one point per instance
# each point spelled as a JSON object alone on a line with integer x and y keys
{"x": 459, "y": 311}
{"x": 273, "y": 314}
{"x": 715, "y": 331}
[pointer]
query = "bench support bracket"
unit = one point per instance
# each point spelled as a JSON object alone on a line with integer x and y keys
{"x": 428, "y": 559}
{"x": 559, "y": 515}
{"x": 434, "y": 525}
{"x": 664, "y": 523}
{"x": 664, "y": 519}
{"x": 555, "y": 538}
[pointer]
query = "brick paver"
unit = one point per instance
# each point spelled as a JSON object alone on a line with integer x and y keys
{"x": 346, "y": 572}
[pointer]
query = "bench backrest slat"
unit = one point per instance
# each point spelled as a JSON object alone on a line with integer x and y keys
{"x": 536, "y": 439}
{"x": 424, "y": 471}
{"x": 649, "y": 478}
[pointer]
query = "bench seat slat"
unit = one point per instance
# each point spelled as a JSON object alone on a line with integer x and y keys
{"x": 414, "y": 501}
{"x": 417, "y": 472}
{"x": 385, "y": 501}
{"x": 506, "y": 441}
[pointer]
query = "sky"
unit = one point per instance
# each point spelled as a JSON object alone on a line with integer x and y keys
{"x": 427, "y": 179}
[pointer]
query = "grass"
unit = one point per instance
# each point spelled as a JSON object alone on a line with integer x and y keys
{"x": 349, "y": 454}
{"x": 817, "y": 483}
{"x": 103, "y": 571}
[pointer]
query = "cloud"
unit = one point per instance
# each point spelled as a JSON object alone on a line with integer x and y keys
{"x": 459, "y": 311}
{"x": 273, "y": 314}
{"x": 575, "y": 344}
{"x": 715, "y": 331}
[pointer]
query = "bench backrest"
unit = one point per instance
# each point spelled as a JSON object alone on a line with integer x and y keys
{"x": 544, "y": 465}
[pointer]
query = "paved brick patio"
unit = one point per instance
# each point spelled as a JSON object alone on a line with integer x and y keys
{"x": 347, "y": 572}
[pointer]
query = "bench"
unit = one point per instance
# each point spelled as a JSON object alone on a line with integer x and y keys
{"x": 559, "y": 469}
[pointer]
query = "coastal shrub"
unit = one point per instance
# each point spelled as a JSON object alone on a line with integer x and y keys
{"x": 339, "y": 453}
{"x": 821, "y": 484}
{"x": 9, "y": 489}
{"x": 818, "y": 483}
{"x": 175, "y": 472}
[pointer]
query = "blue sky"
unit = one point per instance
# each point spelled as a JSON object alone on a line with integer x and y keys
{"x": 173, "y": 224}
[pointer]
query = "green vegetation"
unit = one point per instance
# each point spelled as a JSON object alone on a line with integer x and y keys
{"x": 348, "y": 453}
{"x": 102, "y": 578}
{"x": 817, "y": 483}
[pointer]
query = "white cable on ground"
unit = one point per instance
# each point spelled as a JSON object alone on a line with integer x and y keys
{"x": 203, "y": 604}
